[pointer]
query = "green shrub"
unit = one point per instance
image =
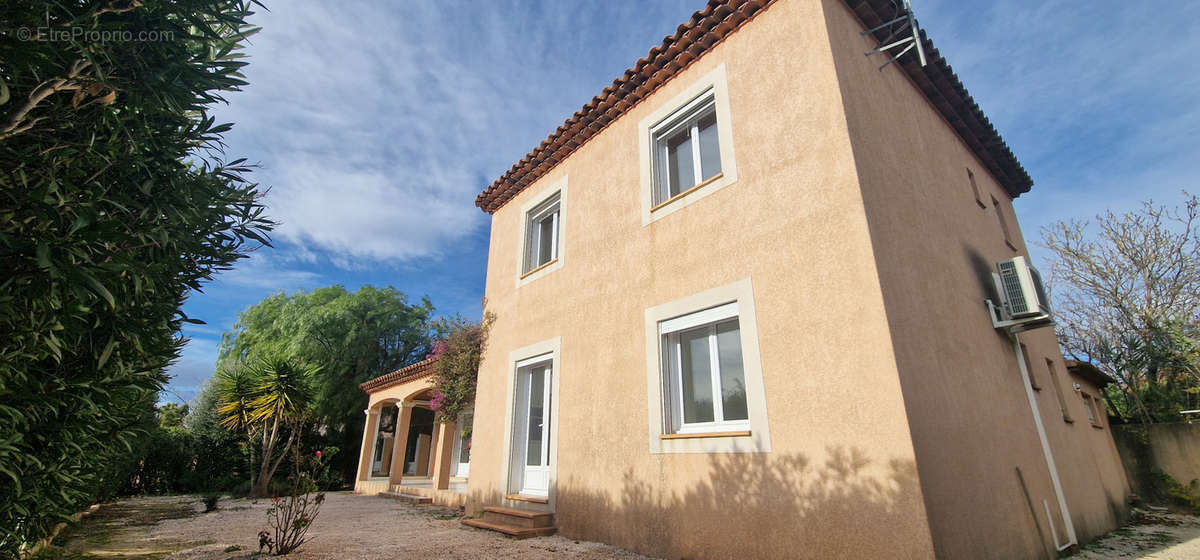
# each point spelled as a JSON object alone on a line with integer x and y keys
{"x": 210, "y": 502}
{"x": 114, "y": 204}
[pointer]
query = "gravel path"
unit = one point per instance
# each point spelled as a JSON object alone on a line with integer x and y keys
{"x": 1152, "y": 535}
{"x": 349, "y": 526}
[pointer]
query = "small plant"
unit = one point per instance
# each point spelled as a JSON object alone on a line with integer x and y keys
{"x": 290, "y": 517}
{"x": 1186, "y": 496}
{"x": 210, "y": 502}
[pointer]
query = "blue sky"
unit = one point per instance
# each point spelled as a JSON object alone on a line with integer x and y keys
{"x": 377, "y": 123}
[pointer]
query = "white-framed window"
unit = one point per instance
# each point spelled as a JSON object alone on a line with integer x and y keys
{"x": 543, "y": 230}
{"x": 704, "y": 376}
{"x": 702, "y": 368}
{"x": 687, "y": 149}
{"x": 542, "y": 224}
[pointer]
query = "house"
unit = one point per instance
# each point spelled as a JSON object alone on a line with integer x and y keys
{"x": 405, "y": 453}
{"x": 741, "y": 313}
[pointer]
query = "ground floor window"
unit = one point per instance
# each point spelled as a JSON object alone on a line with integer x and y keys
{"x": 704, "y": 374}
{"x": 703, "y": 369}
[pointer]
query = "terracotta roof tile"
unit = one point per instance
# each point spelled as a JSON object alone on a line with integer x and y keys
{"x": 708, "y": 27}
{"x": 692, "y": 39}
{"x": 941, "y": 85}
{"x": 423, "y": 368}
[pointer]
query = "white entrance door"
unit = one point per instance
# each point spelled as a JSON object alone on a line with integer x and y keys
{"x": 462, "y": 447}
{"x": 531, "y": 434}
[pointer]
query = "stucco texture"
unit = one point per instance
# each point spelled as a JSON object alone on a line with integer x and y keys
{"x": 1172, "y": 448}
{"x": 841, "y": 479}
{"x": 935, "y": 247}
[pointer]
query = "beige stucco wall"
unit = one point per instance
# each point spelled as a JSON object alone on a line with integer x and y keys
{"x": 1172, "y": 448}
{"x": 841, "y": 478}
{"x": 967, "y": 405}
{"x": 403, "y": 392}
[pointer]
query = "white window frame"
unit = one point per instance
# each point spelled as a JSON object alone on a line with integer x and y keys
{"x": 671, "y": 349}
{"x": 710, "y": 307}
{"x": 551, "y": 350}
{"x": 538, "y": 206}
{"x": 687, "y": 117}
{"x": 547, "y": 210}
{"x": 688, "y": 103}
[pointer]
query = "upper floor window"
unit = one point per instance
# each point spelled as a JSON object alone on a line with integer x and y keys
{"x": 1003, "y": 224}
{"x": 1033, "y": 382}
{"x": 541, "y": 234}
{"x": 975, "y": 189}
{"x": 687, "y": 149}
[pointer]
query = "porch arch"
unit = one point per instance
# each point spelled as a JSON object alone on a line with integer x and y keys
{"x": 412, "y": 438}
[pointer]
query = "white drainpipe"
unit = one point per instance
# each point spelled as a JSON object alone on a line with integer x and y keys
{"x": 1037, "y": 419}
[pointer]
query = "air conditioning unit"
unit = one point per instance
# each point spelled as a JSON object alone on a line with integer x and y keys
{"x": 1021, "y": 290}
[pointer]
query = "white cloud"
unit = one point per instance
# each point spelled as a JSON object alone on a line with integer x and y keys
{"x": 378, "y": 124}
{"x": 1097, "y": 99}
{"x": 193, "y": 368}
{"x": 262, "y": 270}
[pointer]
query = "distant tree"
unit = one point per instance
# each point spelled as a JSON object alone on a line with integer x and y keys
{"x": 219, "y": 463}
{"x": 171, "y": 415}
{"x": 1127, "y": 299}
{"x": 352, "y": 336}
{"x": 115, "y": 202}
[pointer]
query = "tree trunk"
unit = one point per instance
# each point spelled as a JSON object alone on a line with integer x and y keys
{"x": 264, "y": 472}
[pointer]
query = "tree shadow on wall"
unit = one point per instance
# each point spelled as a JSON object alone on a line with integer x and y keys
{"x": 757, "y": 506}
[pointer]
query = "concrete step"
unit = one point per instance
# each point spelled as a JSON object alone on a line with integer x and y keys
{"x": 410, "y": 498}
{"x": 511, "y": 530}
{"x": 518, "y": 517}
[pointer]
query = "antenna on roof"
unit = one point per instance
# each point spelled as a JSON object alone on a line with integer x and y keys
{"x": 903, "y": 30}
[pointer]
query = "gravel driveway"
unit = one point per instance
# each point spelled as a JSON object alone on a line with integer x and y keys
{"x": 352, "y": 526}
{"x": 349, "y": 526}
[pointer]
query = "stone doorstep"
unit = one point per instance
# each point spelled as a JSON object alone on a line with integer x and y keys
{"x": 517, "y": 518}
{"x": 410, "y": 498}
{"x": 516, "y": 532}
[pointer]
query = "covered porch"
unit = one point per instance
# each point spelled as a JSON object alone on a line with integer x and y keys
{"x": 405, "y": 452}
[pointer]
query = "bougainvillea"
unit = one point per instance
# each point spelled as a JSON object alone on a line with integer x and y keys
{"x": 436, "y": 403}
{"x": 457, "y": 370}
{"x": 439, "y": 348}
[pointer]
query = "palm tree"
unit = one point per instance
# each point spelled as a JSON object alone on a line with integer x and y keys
{"x": 266, "y": 400}
{"x": 235, "y": 392}
{"x": 284, "y": 400}
{"x": 236, "y": 389}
